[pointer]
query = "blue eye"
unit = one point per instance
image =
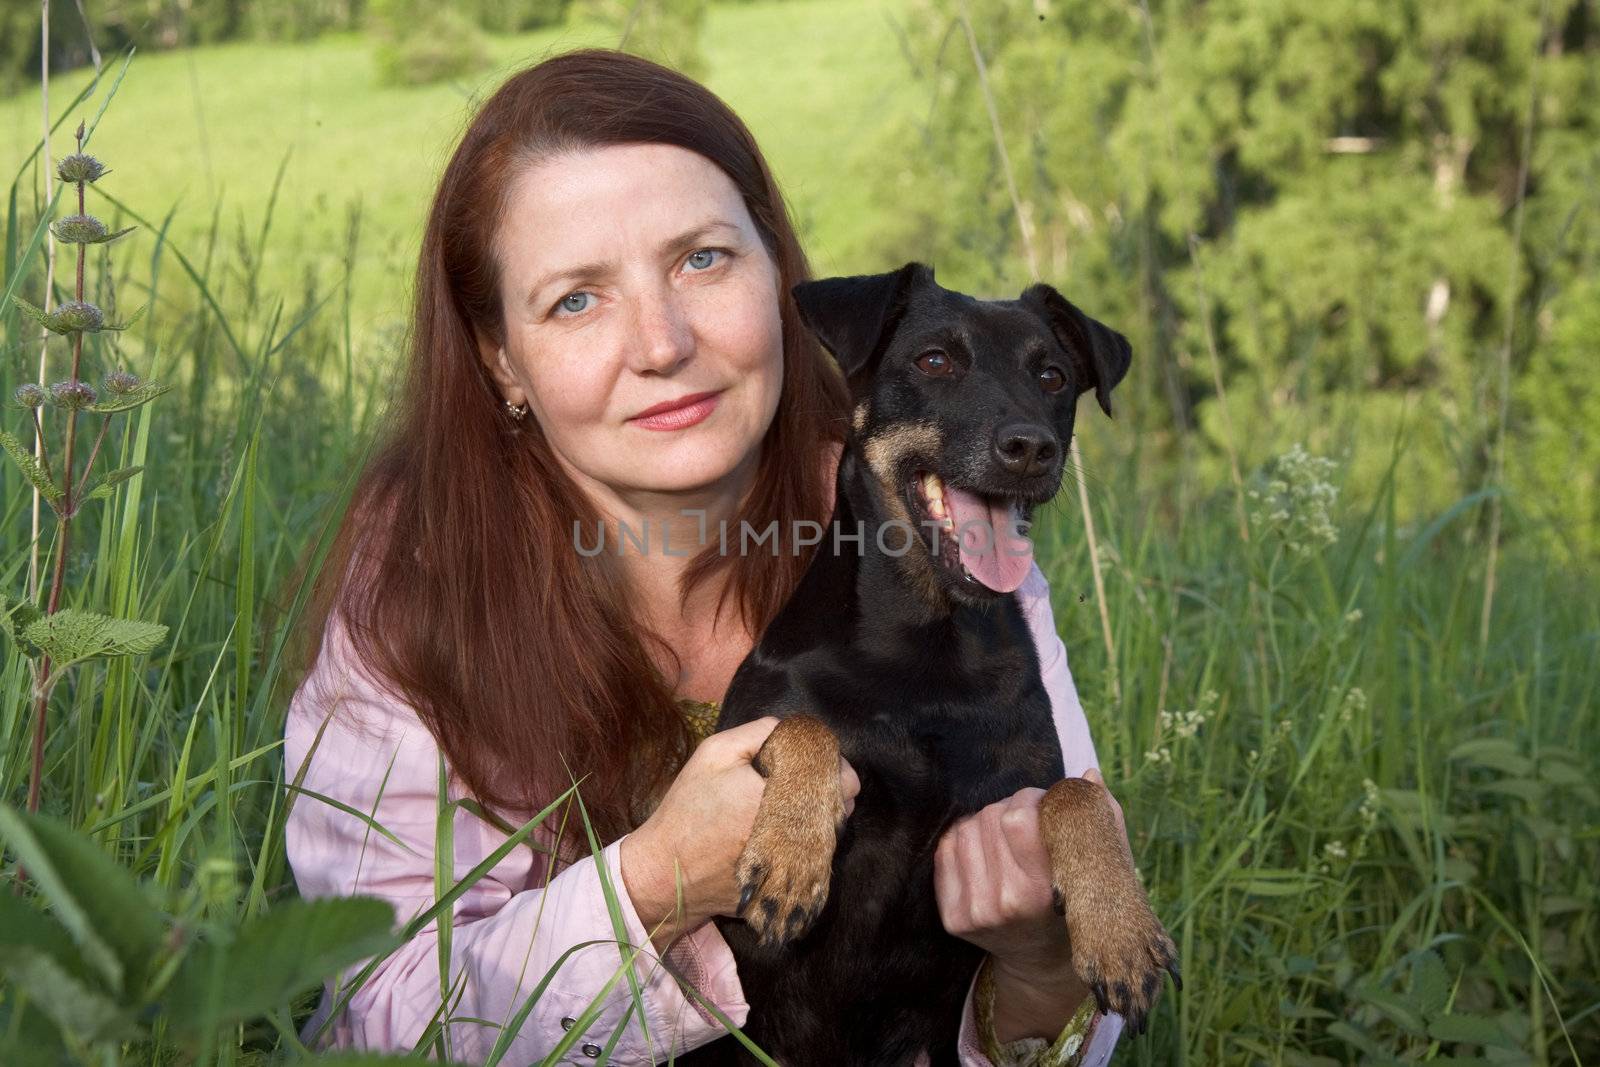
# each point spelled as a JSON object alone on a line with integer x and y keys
{"x": 562, "y": 305}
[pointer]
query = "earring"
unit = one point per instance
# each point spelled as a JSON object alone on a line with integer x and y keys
{"x": 516, "y": 411}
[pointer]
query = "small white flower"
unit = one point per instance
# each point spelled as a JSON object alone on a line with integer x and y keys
{"x": 1354, "y": 702}
{"x": 1369, "y": 805}
{"x": 1296, "y": 501}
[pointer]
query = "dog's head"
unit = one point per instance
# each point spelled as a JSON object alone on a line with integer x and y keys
{"x": 963, "y": 410}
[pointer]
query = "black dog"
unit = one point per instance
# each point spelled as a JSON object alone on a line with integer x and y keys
{"x": 919, "y": 667}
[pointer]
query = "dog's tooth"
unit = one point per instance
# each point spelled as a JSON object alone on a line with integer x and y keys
{"x": 933, "y": 492}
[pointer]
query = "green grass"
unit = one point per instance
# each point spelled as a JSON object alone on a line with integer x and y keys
{"x": 1447, "y": 908}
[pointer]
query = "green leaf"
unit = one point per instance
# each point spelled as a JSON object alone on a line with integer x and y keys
{"x": 365, "y": 1059}
{"x": 23, "y": 926}
{"x": 1401, "y": 1010}
{"x": 291, "y": 948}
{"x": 133, "y": 398}
{"x": 1304, "y": 1059}
{"x": 76, "y": 1006}
{"x": 37, "y": 314}
{"x": 1530, "y": 790}
{"x": 71, "y": 635}
{"x": 114, "y": 236}
{"x": 1496, "y": 753}
{"x": 1430, "y": 984}
{"x": 31, "y": 469}
{"x": 135, "y": 317}
{"x": 28, "y": 1037}
{"x": 1350, "y": 1035}
{"x": 115, "y": 928}
{"x": 1561, "y": 773}
{"x": 1469, "y": 1030}
{"x": 15, "y": 618}
{"x": 1272, "y": 881}
{"x": 103, "y": 487}
{"x": 471, "y": 805}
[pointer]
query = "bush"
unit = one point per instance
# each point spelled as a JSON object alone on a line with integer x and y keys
{"x": 433, "y": 46}
{"x": 516, "y": 16}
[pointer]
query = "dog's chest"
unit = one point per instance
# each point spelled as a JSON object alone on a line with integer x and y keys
{"x": 940, "y": 735}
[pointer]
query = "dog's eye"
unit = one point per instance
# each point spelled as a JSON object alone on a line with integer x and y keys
{"x": 1052, "y": 379}
{"x": 934, "y": 363}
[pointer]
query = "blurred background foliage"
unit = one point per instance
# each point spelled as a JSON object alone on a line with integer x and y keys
{"x": 1353, "y": 716}
{"x": 1320, "y": 197}
{"x": 1314, "y": 202}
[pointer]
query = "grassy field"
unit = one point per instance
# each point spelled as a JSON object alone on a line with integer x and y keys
{"x": 1374, "y": 833}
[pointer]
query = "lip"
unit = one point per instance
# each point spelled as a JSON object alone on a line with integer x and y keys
{"x": 676, "y": 414}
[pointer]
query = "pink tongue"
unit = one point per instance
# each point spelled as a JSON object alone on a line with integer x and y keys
{"x": 991, "y": 547}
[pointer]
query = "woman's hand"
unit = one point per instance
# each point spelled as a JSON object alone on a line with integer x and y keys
{"x": 693, "y": 838}
{"x": 992, "y": 883}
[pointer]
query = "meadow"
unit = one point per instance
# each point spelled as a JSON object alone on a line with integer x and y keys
{"x": 1368, "y": 816}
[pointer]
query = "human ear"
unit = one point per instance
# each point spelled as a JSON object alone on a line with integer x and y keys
{"x": 498, "y": 364}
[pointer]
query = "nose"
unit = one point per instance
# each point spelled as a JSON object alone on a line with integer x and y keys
{"x": 1025, "y": 448}
{"x": 662, "y": 336}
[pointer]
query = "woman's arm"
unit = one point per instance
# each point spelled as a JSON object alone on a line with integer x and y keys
{"x": 507, "y": 931}
{"x": 1021, "y": 1002}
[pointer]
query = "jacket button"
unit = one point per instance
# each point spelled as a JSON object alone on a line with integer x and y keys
{"x": 568, "y": 1023}
{"x": 591, "y": 1051}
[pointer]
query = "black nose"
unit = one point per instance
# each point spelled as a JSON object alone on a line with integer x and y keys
{"x": 1025, "y": 448}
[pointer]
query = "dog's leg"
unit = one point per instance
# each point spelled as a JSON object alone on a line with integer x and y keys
{"x": 1119, "y": 947}
{"x": 788, "y": 861}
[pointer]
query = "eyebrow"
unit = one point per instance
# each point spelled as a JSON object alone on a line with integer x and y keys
{"x": 589, "y": 270}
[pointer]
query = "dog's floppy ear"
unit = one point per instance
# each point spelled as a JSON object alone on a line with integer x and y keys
{"x": 1103, "y": 352}
{"x": 853, "y": 316}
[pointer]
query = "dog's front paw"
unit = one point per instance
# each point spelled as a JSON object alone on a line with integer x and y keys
{"x": 1119, "y": 947}
{"x": 1121, "y": 958}
{"x": 786, "y": 865}
{"x": 783, "y": 883}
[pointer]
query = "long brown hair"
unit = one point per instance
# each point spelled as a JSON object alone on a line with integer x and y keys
{"x": 454, "y": 567}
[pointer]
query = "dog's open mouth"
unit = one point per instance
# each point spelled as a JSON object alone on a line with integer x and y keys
{"x": 974, "y": 536}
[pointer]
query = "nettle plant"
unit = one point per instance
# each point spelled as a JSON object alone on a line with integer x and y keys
{"x": 95, "y": 966}
{"x": 55, "y": 639}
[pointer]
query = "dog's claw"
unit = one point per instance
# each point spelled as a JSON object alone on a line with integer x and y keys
{"x": 788, "y": 896}
{"x": 744, "y": 897}
{"x": 799, "y": 919}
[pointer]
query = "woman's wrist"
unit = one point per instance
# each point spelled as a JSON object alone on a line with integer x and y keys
{"x": 652, "y": 891}
{"x": 1034, "y": 1001}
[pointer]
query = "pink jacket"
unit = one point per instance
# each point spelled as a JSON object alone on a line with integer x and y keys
{"x": 510, "y": 927}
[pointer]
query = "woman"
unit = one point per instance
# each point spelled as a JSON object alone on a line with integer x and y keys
{"x": 606, "y": 240}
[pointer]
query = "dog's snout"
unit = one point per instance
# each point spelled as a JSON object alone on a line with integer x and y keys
{"x": 1025, "y": 449}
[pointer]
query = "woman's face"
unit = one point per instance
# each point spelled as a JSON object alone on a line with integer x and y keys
{"x": 631, "y": 276}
